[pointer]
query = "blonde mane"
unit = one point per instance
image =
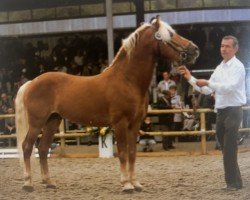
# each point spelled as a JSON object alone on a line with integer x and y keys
{"x": 164, "y": 31}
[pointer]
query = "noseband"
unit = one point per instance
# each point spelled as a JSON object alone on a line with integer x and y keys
{"x": 182, "y": 50}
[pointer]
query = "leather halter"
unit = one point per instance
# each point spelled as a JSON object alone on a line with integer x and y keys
{"x": 182, "y": 50}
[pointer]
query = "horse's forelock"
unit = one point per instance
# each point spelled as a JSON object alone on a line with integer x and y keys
{"x": 165, "y": 31}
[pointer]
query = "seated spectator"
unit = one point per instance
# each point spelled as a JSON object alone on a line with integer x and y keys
{"x": 74, "y": 69}
{"x": 10, "y": 126}
{"x": 146, "y": 141}
{"x": 5, "y": 102}
{"x": 190, "y": 122}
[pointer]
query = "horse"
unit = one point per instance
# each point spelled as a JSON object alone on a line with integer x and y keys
{"x": 117, "y": 98}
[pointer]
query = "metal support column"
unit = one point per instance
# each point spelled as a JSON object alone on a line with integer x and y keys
{"x": 110, "y": 36}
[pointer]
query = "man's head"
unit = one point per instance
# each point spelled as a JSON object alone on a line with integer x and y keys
{"x": 229, "y": 47}
{"x": 165, "y": 76}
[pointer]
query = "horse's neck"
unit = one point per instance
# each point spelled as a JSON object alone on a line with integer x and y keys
{"x": 137, "y": 70}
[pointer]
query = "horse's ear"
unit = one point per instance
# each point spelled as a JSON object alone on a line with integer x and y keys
{"x": 156, "y": 22}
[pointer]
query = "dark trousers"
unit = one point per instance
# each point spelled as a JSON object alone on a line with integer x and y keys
{"x": 227, "y": 124}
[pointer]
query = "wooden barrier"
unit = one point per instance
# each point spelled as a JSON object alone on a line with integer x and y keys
{"x": 202, "y": 132}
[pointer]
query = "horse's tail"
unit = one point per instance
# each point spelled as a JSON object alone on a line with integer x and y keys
{"x": 21, "y": 118}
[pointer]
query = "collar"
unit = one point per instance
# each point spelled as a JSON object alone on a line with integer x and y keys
{"x": 228, "y": 63}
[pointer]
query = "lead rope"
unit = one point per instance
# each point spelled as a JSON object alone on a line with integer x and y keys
{"x": 194, "y": 102}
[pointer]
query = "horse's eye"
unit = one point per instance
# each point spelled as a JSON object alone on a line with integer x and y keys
{"x": 171, "y": 34}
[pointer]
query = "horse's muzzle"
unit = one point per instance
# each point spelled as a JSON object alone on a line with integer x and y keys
{"x": 192, "y": 53}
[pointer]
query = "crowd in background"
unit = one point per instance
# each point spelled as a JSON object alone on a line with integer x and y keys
{"x": 86, "y": 55}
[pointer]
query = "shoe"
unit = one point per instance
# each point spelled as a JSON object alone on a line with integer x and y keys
{"x": 150, "y": 150}
{"x": 144, "y": 150}
{"x": 171, "y": 147}
{"x": 231, "y": 188}
{"x": 217, "y": 148}
{"x": 241, "y": 140}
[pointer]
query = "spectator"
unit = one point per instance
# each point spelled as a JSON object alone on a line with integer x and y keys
{"x": 74, "y": 69}
{"x": 146, "y": 141}
{"x": 177, "y": 118}
{"x": 166, "y": 120}
{"x": 10, "y": 127}
{"x": 5, "y": 102}
{"x": 164, "y": 84}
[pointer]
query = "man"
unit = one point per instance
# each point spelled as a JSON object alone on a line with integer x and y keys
{"x": 164, "y": 84}
{"x": 163, "y": 99}
{"x": 228, "y": 84}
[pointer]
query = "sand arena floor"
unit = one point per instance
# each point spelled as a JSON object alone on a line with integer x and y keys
{"x": 170, "y": 177}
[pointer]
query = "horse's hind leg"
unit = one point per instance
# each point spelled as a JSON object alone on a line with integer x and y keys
{"x": 27, "y": 146}
{"x": 49, "y": 130}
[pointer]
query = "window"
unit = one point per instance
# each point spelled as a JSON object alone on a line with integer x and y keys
{"x": 92, "y": 9}
{"x": 239, "y": 3}
{"x": 68, "y": 11}
{"x": 123, "y": 7}
{"x": 47, "y": 13}
{"x": 189, "y": 3}
{"x": 3, "y": 16}
{"x": 216, "y": 3}
{"x": 22, "y": 15}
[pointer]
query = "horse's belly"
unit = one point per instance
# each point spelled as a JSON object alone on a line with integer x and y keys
{"x": 88, "y": 118}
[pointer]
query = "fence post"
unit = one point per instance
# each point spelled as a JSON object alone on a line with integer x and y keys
{"x": 203, "y": 134}
{"x": 62, "y": 139}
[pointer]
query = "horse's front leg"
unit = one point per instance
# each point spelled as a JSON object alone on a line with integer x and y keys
{"x": 132, "y": 139}
{"x": 121, "y": 130}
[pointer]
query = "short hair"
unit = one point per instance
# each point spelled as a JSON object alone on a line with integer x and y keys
{"x": 235, "y": 40}
{"x": 173, "y": 87}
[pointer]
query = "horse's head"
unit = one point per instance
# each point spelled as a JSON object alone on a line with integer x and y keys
{"x": 162, "y": 41}
{"x": 172, "y": 46}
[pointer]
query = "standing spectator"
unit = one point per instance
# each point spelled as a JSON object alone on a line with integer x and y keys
{"x": 228, "y": 84}
{"x": 146, "y": 141}
{"x": 165, "y": 120}
{"x": 164, "y": 102}
{"x": 164, "y": 84}
{"x": 177, "y": 118}
{"x": 79, "y": 58}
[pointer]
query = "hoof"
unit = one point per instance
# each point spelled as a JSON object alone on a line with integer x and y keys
{"x": 28, "y": 188}
{"x": 138, "y": 187}
{"x": 128, "y": 188}
{"x": 51, "y": 186}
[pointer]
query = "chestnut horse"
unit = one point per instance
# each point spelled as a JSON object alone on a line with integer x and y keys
{"x": 117, "y": 97}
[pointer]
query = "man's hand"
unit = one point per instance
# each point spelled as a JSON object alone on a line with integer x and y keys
{"x": 201, "y": 82}
{"x": 185, "y": 72}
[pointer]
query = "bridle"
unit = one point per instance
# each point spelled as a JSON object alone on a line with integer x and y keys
{"x": 182, "y": 50}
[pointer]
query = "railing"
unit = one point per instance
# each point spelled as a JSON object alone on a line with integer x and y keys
{"x": 202, "y": 132}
